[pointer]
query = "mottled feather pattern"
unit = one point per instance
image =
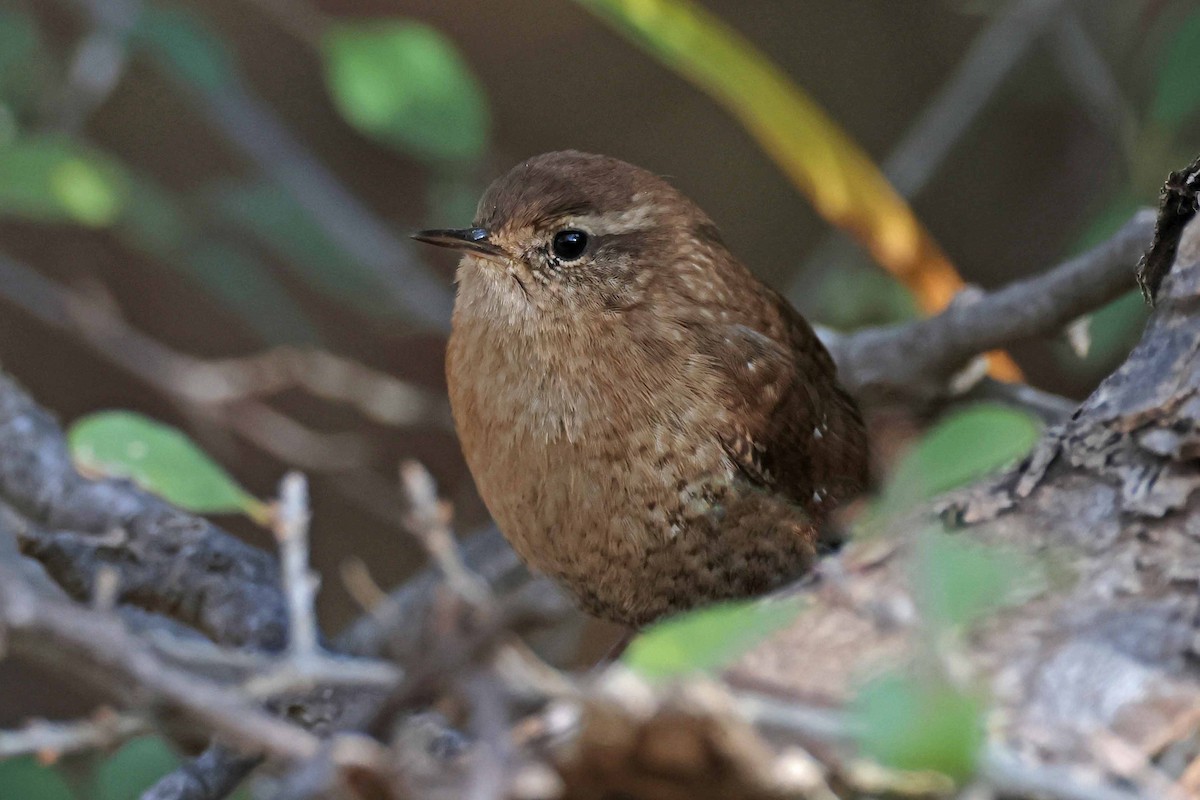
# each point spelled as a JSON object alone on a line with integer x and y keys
{"x": 648, "y": 424}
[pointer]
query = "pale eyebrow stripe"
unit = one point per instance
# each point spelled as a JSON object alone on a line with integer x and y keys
{"x": 633, "y": 219}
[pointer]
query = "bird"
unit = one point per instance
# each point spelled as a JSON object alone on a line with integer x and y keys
{"x": 648, "y": 423}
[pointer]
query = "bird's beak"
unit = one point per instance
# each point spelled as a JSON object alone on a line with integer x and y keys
{"x": 472, "y": 240}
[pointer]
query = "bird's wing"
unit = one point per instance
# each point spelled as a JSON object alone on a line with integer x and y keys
{"x": 796, "y": 431}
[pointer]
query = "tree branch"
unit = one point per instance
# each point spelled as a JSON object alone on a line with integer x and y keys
{"x": 914, "y": 361}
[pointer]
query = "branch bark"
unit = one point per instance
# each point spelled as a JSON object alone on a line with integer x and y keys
{"x": 914, "y": 361}
{"x": 1111, "y": 492}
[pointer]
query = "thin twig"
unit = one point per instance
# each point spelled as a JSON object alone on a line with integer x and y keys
{"x": 1012, "y": 777}
{"x": 51, "y": 740}
{"x": 292, "y": 517}
{"x": 490, "y": 770}
{"x": 97, "y": 65}
{"x": 95, "y": 647}
{"x": 428, "y": 520}
{"x": 226, "y": 392}
{"x": 802, "y": 722}
{"x": 266, "y": 675}
{"x": 300, "y": 19}
{"x": 1091, "y": 78}
{"x": 252, "y": 127}
{"x": 1051, "y": 408}
{"x": 990, "y": 59}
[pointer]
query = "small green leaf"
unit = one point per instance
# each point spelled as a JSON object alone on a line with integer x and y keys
{"x": 450, "y": 195}
{"x": 1107, "y": 218}
{"x": 133, "y": 769}
{"x": 405, "y": 84}
{"x": 707, "y": 639}
{"x": 184, "y": 43}
{"x": 20, "y": 57}
{"x": 962, "y": 447}
{"x": 284, "y": 227}
{"x": 154, "y": 221}
{"x": 53, "y": 179}
{"x": 1113, "y": 329}
{"x": 1177, "y": 94}
{"x": 854, "y": 294}
{"x": 26, "y": 778}
{"x": 159, "y": 458}
{"x": 958, "y": 581}
{"x": 911, "y": 722}
{"x": 244, "y": 284}
{"x": 85, "y": 192}
{"x": 19, "y": 41}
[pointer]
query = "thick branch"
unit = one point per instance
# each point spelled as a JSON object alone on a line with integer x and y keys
{"x": 166, "y": 560}
{"x": 97, "y": 649}
{"x": 914, "y": 360}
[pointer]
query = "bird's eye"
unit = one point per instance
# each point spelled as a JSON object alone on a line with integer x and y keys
{"x": 569, "y": 245}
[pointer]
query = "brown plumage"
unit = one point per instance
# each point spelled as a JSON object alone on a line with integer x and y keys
{"x": 646, "y": 421}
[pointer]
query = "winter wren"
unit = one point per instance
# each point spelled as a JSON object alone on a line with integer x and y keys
{"x": 646, "y": 421}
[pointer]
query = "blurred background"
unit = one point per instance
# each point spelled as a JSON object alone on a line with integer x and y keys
{"x": 186, "y": 183}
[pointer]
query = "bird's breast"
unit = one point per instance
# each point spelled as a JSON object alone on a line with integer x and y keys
{"x": 581, "y": 447}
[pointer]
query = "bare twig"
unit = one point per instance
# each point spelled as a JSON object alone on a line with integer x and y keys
{"x": 51, "y": 740}
{"x": 992, "y": 56}
{"x": 1092, "y": 80}
{"x": 306, "y": 662}
{"x": 96, "y": 648}
{"x": 429, "y": 521}
{"x": 490, "y": 770}
{"x": 801, "y": 722}
{"x": 300, "y": 19}
{"x": 212, "y": 775}
{"x": 1051, "y": 408}
{"x": 1012, "y": 777}
{"x": 227, "y": 391}
{"x": 291, "y": 523}
{"x": 97, "y": 64}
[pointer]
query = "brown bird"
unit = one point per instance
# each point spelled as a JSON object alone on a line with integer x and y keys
{"x": 647, "y": 422}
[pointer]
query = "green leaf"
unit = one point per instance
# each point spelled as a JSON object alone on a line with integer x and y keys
{"x": 20, "y": 56}
{"x": 85, "y": 192}
{"x": 1114, "y": 329}
{"x": 450, "y": 195}
{"x": 26, "y": 778}
{"x": 1108, "y": 218}
{"x": 184, "y": 43}
{"x": 154, "y": 222}
{"x": 133, "y": 769}
{"x": 404, "y": 84}
{"x": 19, "y": 41}
{"x": 962, "y": 447}
{"x": 707, "y": 639}
{"x": 244, "y": 284}
{"x": 53, "y": 179}
{"x": 911, "y": 722}
{"x": 1177, "y": 93}
{"x": 159, "y": 458}
{"x": 287, "y": 229}
{"x": 854, "y": 294}
{"x": 958, "y": 581}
